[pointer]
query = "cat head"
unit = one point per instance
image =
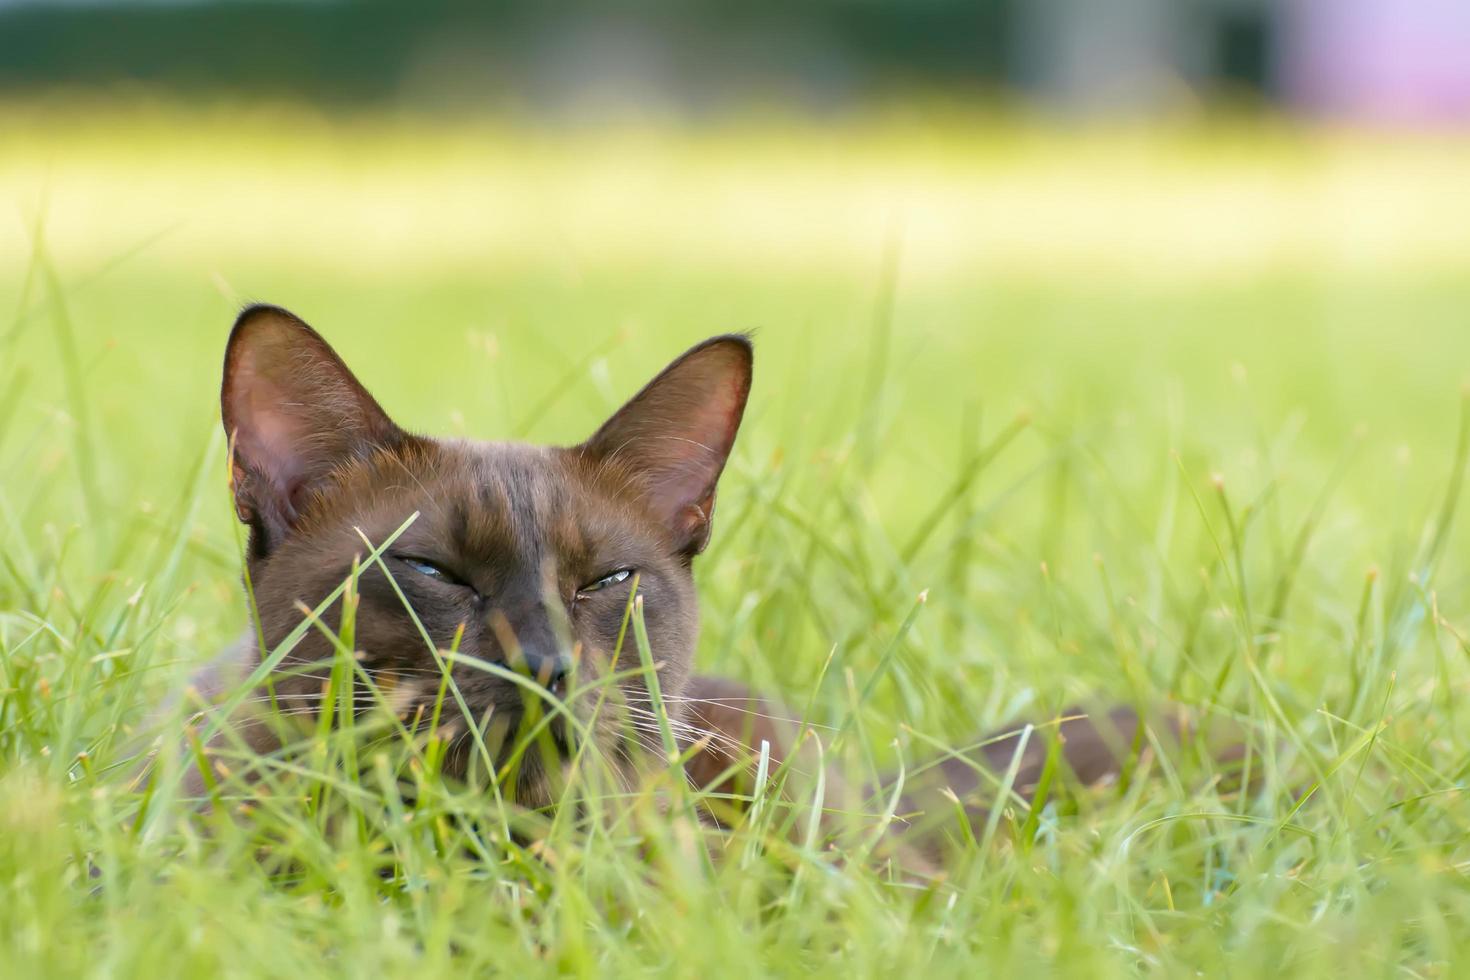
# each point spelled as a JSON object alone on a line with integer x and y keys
{"x": 522, "y": 556}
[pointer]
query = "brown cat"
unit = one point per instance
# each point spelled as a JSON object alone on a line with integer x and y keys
{"x": 522, "y": 556}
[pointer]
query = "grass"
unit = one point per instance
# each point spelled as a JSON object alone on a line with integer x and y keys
{"x": 1167, "y": 416}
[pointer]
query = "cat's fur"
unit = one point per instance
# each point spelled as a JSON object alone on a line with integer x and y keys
{"x": 522, "y": 534}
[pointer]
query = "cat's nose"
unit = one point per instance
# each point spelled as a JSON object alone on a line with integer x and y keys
{"x": 549, "y": 669}
{"x": 530, "y": 645}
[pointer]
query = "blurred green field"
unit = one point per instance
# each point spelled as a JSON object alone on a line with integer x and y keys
{"x": 1152, "y": 414}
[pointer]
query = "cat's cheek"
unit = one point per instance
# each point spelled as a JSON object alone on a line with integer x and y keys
{"x": 600, "y": 618}
{"x": 442, "y": 614}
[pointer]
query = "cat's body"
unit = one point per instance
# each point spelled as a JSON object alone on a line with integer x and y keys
{"x": 520, "y": 556}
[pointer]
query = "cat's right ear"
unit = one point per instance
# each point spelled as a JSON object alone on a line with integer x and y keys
{"x": 674, "y": 436}
{"x": 293, "y": 413}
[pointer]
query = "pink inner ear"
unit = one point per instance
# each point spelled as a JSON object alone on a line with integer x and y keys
{"x": 689, "y": 463}
{"x": 676, "y": 434}
{"x": 270, "y": 436}
{"x": 294, "y": 410}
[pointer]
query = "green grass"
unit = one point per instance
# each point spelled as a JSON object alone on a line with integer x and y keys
{"x": 1154, "y": 416}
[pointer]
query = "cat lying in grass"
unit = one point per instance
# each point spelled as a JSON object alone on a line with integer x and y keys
{"x": 530, "y": 604}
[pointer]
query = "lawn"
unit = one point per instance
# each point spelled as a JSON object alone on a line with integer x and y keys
{"x": 1159, "y": 415}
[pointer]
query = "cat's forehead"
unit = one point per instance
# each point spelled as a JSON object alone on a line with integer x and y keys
{"x": 502, "y": 468}
{"x": 489, "y": 501}
{"x": 513, "y": 488}
{"x": 507, "y": 495}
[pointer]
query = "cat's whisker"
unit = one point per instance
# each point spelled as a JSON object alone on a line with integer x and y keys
{"x": 738, "y": 752}
{"x": 730, "y": 704}
{"x": 674, "y": 723}
{"x": 361, "y": 701}
{"x": 690, "y": 728}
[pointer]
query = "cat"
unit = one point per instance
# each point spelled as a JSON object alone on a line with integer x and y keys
{"x": 527, "y": 557}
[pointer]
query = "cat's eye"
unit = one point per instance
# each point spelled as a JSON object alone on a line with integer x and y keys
{"x": 430, "y": 570}
{"x": 606, "y": 581}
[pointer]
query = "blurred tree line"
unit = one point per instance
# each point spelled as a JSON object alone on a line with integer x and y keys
{"x": 692, "y": 56}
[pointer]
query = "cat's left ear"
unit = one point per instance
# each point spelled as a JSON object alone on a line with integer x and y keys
{"x": 675, "y": 435}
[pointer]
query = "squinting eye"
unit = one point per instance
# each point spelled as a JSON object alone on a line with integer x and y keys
{"x": 621, "y": 575}
{"x": 431, "y": 570}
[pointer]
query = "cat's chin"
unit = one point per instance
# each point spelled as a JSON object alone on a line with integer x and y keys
{"x": 557, "y": 737}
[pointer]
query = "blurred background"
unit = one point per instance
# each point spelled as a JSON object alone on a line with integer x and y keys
{"x": 1399, "y": 60}
{"x": 1165, "y": 238}
{"x": 1386, "y": 60}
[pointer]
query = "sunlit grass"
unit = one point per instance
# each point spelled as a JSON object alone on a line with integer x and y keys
{"x": 1155, "y": 416}
{"x": 956, "y": 190}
